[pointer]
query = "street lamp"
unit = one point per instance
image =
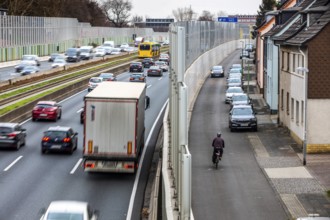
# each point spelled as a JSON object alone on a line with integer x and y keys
{"x": 305, "y": 71}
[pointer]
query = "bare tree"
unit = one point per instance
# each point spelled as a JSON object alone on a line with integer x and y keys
{"x": 206, "y": 16}
{"x": 184, "y": 14}
{"x": 222, "y": 14}
{"x": 117, "y": 11}
{"x": 17, "y": 7}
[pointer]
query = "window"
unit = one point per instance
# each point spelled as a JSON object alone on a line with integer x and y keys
{"x": 287, "y": 103}
{"x": 282, "y": 99}
{"x": 297, "y": 112}
{"x": 302, "y": 112}
{"x": 288, "y": 61}
{"x": 282, "y": 60}
{"x": 294, "y": 62}
{"x": 292, "y": 108}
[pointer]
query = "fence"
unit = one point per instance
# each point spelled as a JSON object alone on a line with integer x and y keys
{"x": 189, "y": 42}
{"x": 42, "y": 35}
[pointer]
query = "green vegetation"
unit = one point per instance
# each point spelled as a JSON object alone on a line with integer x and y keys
{"x": 328, "y": 193}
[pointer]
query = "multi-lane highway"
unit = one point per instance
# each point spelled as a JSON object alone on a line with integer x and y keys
{"x": 29, "y": 180}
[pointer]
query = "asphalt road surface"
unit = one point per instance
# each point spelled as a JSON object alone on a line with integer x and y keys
{"x": 29, "y": 180}
{"x": 237, "y": 189}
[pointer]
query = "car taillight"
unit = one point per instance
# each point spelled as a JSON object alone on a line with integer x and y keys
{"x": 66, "y": 140}
{"x": 45, "y": 139}
{"x": 12, "y": 135}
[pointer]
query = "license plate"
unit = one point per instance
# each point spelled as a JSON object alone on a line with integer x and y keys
{"x": 56, "y": 146}
{"x": 43, "y": 115}
{"x": 3, "y": 137}
{"x": 109, "y": 163}
{"x": 245, "y": 124}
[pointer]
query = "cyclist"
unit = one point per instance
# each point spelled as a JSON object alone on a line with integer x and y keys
{"x": 218, "y": 144}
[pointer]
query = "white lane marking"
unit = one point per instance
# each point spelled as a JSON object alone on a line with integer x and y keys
{"x": 13, "y": 163}
{"x": 80, "y": 110}
{"x": 149, "y": 86}
{"x": 76, "y": 166}
{"x": 160, "y": 78}
{"x": 131, "y": 202}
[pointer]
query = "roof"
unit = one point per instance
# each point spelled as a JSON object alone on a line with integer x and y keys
{"x": 308, "y": 33}
{"x": 47, "y": 102}
{"x": 58, "y": 128}
{"x": 8, "y": 124}
{"x": 68, "y": 206}
{"x": 120, "y": 90}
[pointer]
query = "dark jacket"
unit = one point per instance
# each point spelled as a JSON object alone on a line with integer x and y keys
{"x": 218, "y": 142}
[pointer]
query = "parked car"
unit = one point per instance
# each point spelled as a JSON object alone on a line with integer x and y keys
{"x": 155, "y": 71}
{"x": 12, "y": 135}
{"x": 137, "y": 77}
{"x": 234, "y": 76}
{"x": 231, "y": 91}
{"x": 240, "y": 99}
{"x": 217, "y": 71}
{"x": 48, "y": 110}
{"x": 67, "y": 210}
{"x": 59, "y": 139}
{"x": 27, "y": 70}
{"x": 59, "y": 63}
{"x": 244, "y": 53}
{"x": 100, "y": 52}
{"x": 163, "y": 65}
{"x": 235, "y": 70}
{"x": 236, "y": 65}
{"x": 234, "y": 82}
{"x": 148, "y": 62}
{"x": 53, "y": 57}
{"x": 108, "y": 77}
{"x": 242, "y": 117}
{"x": 136, "y": 67}
{"x": 93, "y": 82}
{"x": 249, "y": 47}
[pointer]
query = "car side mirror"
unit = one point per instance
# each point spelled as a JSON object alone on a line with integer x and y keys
{"x": 76, "y": 133}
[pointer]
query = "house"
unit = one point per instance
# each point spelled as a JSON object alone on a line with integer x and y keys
{"x": 304, "y": 67}
{"x": 260, "y": 52}
{"x": 287, "y": 23}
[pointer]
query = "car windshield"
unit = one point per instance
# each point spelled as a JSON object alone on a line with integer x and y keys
{"x": 85, "y": 50}
{"x": 135, "y": 64}
{"x": 56, "y": 134}
{"x": 65, "y": 216}
{"x": 95, "y": 80}
{"x": 239, "y": 98}
{"x": 27, "y": 58}
{"x": 236, "y": 70}
{"x": 217, "y": 68}
{"x": 236, "y": 66}
{"x": 242, "y": 111}
{"x": 44, "y": 105}
{"x": 159, "y": 63}
{"x": 154, "y": 68}
{"x": 28, "y": 68}
{"x": 136, "y": 75}
{"x": 107, "y": 75}
{"x": 234, "y": 90}
{"x": 234, "y": 80}
{"x": 5, "y": 130}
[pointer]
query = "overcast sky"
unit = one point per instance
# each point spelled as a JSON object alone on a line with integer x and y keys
{"x": 164, "y": 8}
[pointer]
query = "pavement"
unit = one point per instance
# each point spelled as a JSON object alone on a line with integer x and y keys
{"x": 303, "y": 190}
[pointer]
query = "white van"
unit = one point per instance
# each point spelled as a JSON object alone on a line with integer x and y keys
{"x": 109, "y": 44}
{"x": 86, "y": 52}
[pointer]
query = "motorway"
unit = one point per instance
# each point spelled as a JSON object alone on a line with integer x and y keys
{"x": 29, "y": 180}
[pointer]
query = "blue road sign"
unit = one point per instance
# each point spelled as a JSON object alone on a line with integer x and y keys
{"x": 227, "y": 19}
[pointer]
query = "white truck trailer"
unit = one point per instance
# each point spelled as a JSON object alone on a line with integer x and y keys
{"x": 114, "y": 127}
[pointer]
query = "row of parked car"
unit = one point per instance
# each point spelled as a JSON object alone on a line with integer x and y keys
{"x": 241, "y": 114}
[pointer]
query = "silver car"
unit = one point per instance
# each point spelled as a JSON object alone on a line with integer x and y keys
{"x": 231, "y": 91}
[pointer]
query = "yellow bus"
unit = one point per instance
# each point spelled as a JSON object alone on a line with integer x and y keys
{"x": 148, "y": 49}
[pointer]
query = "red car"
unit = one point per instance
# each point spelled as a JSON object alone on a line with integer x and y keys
{"x": 48, "y": 110}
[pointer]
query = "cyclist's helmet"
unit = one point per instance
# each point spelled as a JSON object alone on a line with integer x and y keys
{"x": 219, "y": 134}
